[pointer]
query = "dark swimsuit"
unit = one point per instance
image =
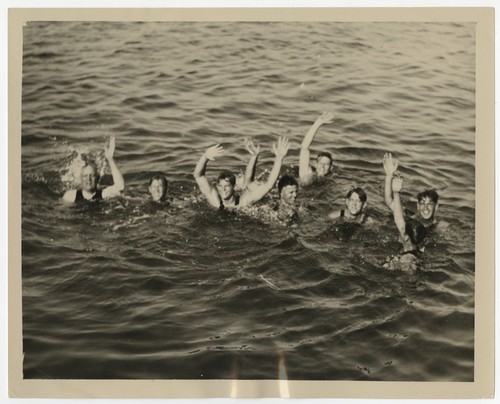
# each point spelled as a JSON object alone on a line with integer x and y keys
{"x": 236, "y": 202}
{"x": 96, "y": 197}
{"x": 342, "y": 214}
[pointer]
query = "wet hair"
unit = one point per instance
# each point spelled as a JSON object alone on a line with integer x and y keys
{"x": 415, "y": 231}
{"x": 159, "y": 177}
{"x": 324, "y": 154}
{"x": 428, "y": 193}
{"x": 286, "y": 181}
{"x": 360, "y": 192}
{"x": 227, "y": 176}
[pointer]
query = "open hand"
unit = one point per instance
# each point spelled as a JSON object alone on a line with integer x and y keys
{"x": 214, "y": 151}
{"x": 397, "y": 184}
{"x": 110, "y": 150}
{"x": 326, "y": 117}
{"x": 282, "y": 148}
{"x": 390, "y": 165}
{"x": 251, "y": 148}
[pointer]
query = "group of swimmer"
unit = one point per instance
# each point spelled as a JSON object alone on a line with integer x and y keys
{"x": 412, "y": 230}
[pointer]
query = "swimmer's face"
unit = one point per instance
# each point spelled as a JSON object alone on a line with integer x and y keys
{"x": 289, "y": 194}
{"x": 323, "y": 166}
{"x": 157, "y": 190}
{"x": 89, "y": 178}
{"x": 426, "y": 208}
{"x": 354, "y": 204}
{"x": 225, "y": 189}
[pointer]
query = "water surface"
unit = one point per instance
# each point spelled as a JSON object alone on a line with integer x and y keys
{"x": 127, "y": 290}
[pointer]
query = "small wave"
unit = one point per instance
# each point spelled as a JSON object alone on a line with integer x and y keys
{"x": 33, "y": 139}
{"x": 361, "y": 128}
{"x": 357, "y": 45}
{"x": 127, "y": 51}
{"x": 406, "y": 96}
{"x": 164, "y": 76}
{"x": 40, "y": 55}
{"x": 142, "y": 104}
{"x": 275, "y": 78}
{"x": 40, "y": 185}
{"x": 459, "y": 103}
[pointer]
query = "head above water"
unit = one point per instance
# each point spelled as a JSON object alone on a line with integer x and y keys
{"x": 288, "y": 188}
{"x": 355, "y": 201}
{"x": 226, "y": 182}
{"x": 89, "y": 177}
{"x": 324, "y": 163}
{"x": 227, "y": 176}
{"x": 427, "y": 204}
{"x": 428, "y": 193}
{"x": 158, "y": 186}
{"x": 287, "y": 180}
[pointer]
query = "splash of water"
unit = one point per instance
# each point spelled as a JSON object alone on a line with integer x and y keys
{"x": 79, "y": 157}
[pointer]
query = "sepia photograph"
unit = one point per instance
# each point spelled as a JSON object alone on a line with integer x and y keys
{"x": 249, "y": 199}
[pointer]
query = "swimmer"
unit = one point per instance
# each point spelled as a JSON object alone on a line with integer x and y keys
{"x": 427, "y": 205}
{"x": 411, "y": 232}
{"x": 427, "y": 201}
{"x": 223, "y": 195}
{"x": 324, "y": 161}
{"x": 287, "y": 209}
{"x": 90, "y": 179}
{"x": 158, "y": 186}
{"x": 355, "y": 212}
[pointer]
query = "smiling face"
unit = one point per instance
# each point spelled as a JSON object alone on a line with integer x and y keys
{"x": 426, "y": 208}
{"x": 157, "y": 190}
{"x": 323, "y": 166}
{"x": 225, "y": 189}
{"x": 89, "y": 178}
{"x": 354, "y": 204}
{"x": 289, "y": 194}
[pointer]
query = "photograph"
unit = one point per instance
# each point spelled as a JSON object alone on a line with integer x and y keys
{"x": 250, "y": 199}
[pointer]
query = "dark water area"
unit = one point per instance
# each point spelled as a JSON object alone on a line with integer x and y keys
{"x": 127, "y": 289}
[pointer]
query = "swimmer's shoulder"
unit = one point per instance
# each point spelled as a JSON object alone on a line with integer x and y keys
{"x": 111, "y": 191}
{"x": 336, "y": 214}
{"x": 303, "y": 209}
{"x": 368, "y": 220}
{"x": 442, "y": 226}
{"x": 438, "y": 226}
{"x": 70, "y": 196}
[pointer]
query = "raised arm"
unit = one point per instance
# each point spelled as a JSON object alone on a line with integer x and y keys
{"x": 252, "y": 163}
{"x": 118, "y": 182}
{"x": 390, "y": 167}
{"x": 305, "y": 170}
{"x": 254, "y": 195}
{"x": 397, "y": 207}
{"x": 199, "y": 174}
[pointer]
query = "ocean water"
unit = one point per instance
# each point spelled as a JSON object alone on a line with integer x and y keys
{"x": 125, "y": 289}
